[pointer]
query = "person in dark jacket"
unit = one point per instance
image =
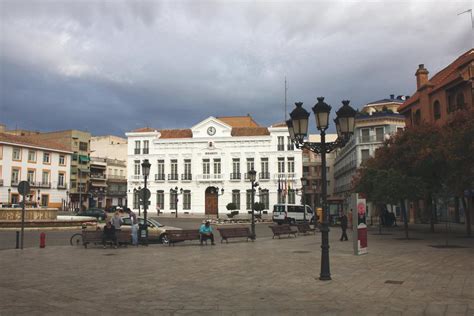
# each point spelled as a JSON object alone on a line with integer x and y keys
{"x": 109, "y": 234}
{"x": 343, "y": 227}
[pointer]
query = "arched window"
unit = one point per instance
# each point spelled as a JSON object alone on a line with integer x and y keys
{"x": 436, "y": 110}
{"x": 417, "y": 118}
{"x": 460, "y": 100}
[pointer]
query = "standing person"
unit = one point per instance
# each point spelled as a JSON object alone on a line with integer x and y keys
{"x": 109, "y": 234}
{"x": 343, "y": 227}
{"x": 117, "y": 221}
{"x": 205, "y": 232}
{"x": 134, "y": 227}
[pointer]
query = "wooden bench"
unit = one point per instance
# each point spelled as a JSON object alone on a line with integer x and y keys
{"x": 95, "y": 237}
{"x": 234, "y": 232}
{"x": 304, "y": 228}
{"x": 182, "y": 235}
{"x": 279, "y": 230}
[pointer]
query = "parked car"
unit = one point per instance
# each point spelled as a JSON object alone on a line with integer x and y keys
{"x": 112, "y": 209}
{"x": 93, "y": 212}
{"x": 156, "y": 231}
{"x": 291, "y": 213}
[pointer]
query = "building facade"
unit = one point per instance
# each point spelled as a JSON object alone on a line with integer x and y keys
{"x": 436, "y": 99}
{"x": 45, "y": 165}
{"x": 215, "y": 154}
{"x": 373, "y": 125}
{"x": 109, "y": 146}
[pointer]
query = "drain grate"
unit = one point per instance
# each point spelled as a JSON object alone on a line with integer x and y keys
{"x": 109, "y": 254}
{"x": 301, "y": 251}
{"x": 403, "y": 238}
{"x": 393, "y": 282}
{"x": 447, "y": 246}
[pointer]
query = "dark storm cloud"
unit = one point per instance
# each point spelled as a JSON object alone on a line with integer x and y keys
{"x": 112, "y": 66}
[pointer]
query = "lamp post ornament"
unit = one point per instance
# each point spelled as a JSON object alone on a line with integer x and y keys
{"x": 145, "y": 197}
{"x": 298, "y": 130}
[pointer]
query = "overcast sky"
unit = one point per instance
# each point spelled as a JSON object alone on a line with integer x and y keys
{"x": 112, "y": 66}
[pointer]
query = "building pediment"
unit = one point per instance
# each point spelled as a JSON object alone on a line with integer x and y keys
{"x": 211, "y": 128}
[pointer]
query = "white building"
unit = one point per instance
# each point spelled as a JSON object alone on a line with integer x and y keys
{"x": 44, "y": 164}
{"x": 109, "y": 146}
{"x": 215, "y": 154}
{"x": 376, "y": 122}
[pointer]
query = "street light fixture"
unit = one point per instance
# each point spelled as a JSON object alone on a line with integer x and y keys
{"x": 218, "y": 194}
{"x": 146, "y": 172}
{"x": 175, "y": 191}
{"x": 252, "y": 176}
{"x": 298, "y": 129}
{"x": 138, "y": 196}
{"x": 9, "y": 195}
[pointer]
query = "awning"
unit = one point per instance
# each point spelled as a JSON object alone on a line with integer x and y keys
{"x": 83, "y": 158}
{"x": 99, "y": 185}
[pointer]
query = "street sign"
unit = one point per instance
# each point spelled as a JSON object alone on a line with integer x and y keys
{"x": 145, "y": 194}
{"x": 24, "y": 188}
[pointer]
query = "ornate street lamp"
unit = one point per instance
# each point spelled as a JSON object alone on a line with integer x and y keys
{"x": 252, "y": 176}
{"x": 298, "y": 127}
{"x": 176, "y": 192}
{"x": 219, "y": 194}
{"x": 145, "y": 196}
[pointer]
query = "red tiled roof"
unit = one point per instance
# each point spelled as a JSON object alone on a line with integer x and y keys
{"x": 31, "y": 141}
{"x": 443, "y": 77}
{"x": 279, "y": 124}
{"x": 144, "y": 130}
{"x": 239, "y": 121}
{"x": 249, "y": 131}
{"x": 176, "y": 133}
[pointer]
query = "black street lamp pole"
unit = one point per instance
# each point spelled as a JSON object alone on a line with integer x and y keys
{"x": 303, "y": 184}
{"x": 252, "y": 176}
{"x": 146, "y": 172}
{"x": 175, "y": 190}
{"x": 139, "y": 195}
{"x": 219, "y": 194}
{"x": 298, "y": 129}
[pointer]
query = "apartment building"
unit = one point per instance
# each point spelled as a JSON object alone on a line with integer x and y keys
{"x": 44, "y": 164}
{"x": 190, "y": 167}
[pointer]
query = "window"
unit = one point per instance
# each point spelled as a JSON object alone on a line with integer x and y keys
{"x": 145, "y": 147}
{"x": 61, "y": 180}
{"x": 217, "y": 166}
{"x": 281, "y": 198}
{"x": 160, "y": 199}
{"x": 417, "y": 118}
{"x": 174, "y": 169}
{"x": 236, "y": 198}
{"x": 264, "y": 167}
{"x": 264, "y": 198}
{"x": 62, "y": 160}
{"x": 379, "y": 132}
{"x": 206, "y": 166}
{"x": 30, "y": 176}
{"x": 83, "y": 146}
{"x": 291, "y": 164}
{"x": 451, "y": 106}
{"x": 291, "y": 146}
{"x": 137, "y": 167}
{"x": 186, "y": 200}
{"x": 281, "y": 165}
{"x": 365, "y": 154}
{"x": 31, "y": 155}
{"x": 291, "y": 196}
{"x": 44, "y": 200}
{"x": 436, "y": 110}
{"x": 136, "y": 196}
{"x": 187, "y": 169}
{"x": 161, "y": 170}
{"x": 250, "y": 164}
{"x": 235, "y": 169}
{"x": 16, "y": 153}
{"x": 281, "y": 143}
{"x": 249, "y": 199}
{"x": 460, "y": 100}
{"x": 45, "y": 177}
{"x": 46, "y": 158}
{"x": 137, "y": 147}
{"x": 365, "y": 135}
{"x": 173, "y": 198}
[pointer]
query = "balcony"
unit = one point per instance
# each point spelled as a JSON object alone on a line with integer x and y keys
{"x": 370, "y": 139}
{"x": 116, "y": 177}
{"x": 146, "y": 151}
{"x": 173, "y": 177}
{"x": 14, "y": 183}
{"x": 290, "y": 147}
{"x": 186, "y": 177}
{"x": 159, "y": 177}
{"x": 235, "y": 176}
{"x": 283, "y": 175}
{"x": 117, "y": 192}
{"x": 280, "y": 147}
{"x": 136, "y": 177}
{"x": 137, "y": 151}
{"x": 210, "y": 177}
{"x": 62, "y": 186}
{"x": 264, "y": 176}
{"x": 98, "y": 176}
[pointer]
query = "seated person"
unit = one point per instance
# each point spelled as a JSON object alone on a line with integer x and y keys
{"x": 109, "y": 234}
{"x": 205, "y": 232}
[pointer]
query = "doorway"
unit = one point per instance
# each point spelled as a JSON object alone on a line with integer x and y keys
{"x": 211, "y": 199}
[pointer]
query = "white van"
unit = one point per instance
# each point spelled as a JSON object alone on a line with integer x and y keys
{"x": 291, "y": 213}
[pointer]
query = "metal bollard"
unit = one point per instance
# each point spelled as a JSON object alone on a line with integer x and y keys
{"x": 42, "y": 240}
{"x": 17, "y": 240}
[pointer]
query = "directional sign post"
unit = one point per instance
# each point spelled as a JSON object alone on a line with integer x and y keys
{"x": 23, "y": 189}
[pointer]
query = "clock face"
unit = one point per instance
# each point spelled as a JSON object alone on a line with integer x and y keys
{"x": 211, "y": 130}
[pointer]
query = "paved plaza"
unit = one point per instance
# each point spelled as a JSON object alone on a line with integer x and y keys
{"x": 266, "y": 277}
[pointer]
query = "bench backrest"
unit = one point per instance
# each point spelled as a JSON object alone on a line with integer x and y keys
{"x": 304, "y": 227}
{"x": 281, "y": 229}
{"x": 183, "y": 234}
{"x": 234, "y": 232}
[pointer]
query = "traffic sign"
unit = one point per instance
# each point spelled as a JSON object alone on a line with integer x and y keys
{"x": 145, "y": 194}
{"x": 24, "y": 188}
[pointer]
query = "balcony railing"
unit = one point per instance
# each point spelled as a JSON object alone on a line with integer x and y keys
{"x": 35, "y": 184}
{"x": 370, "y": 139}
{"x": 173, "y": 177}
{"x": 116, "y": 177}
{"x": 14, "y": 183}
{"x": 146, "y": 151}
{"x": 62, "y": 186}
{"x": 137, "y": 151}
{"x": 97, "y": 176}
{"x": 264, "y": 175}
{"x": 280, "y": 147}
{"x": 136, "y": 177}
{"x": 290, "y": 147}
{"x": 116, "y": 192}
{"x": 186, "y": 177}
{"x": 159, "y": 177}
{"x": 209, "y": 177}
{"x": 235, "y": 176}
{"x": 285, "y": 175}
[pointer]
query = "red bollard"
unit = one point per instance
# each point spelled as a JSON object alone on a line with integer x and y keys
{"x": 42, "y": 240}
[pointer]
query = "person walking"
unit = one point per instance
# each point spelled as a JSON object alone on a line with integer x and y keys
{"x": 134, "y": 226}
{"x": 117, "y": 221}
{"x": 343, "y": 227}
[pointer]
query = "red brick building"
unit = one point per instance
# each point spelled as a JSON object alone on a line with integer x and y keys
{"x": 447, "y": 91}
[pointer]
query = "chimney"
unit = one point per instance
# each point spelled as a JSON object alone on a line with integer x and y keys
{"x": 392, "y": 96}
{"x": 421, "y": 76}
